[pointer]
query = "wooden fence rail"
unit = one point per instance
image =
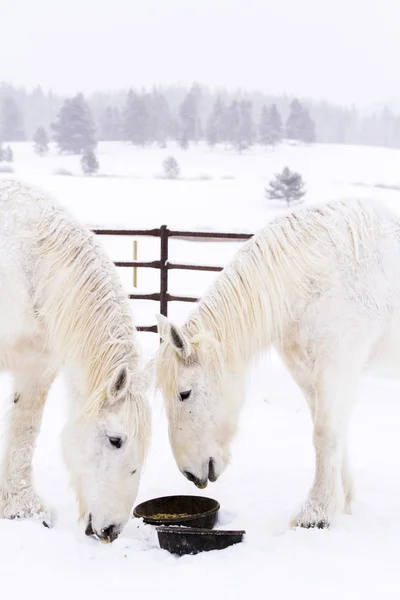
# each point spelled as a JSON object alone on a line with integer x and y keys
{"x": 163, "y": 296}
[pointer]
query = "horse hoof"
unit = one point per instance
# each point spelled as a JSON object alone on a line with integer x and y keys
{"x": 26, "y": 505}
{"x": 315, "y": 525}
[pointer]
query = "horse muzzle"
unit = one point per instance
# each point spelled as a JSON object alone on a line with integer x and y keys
{"x": 210, "y": 475}
{"x": 106, "y": 535}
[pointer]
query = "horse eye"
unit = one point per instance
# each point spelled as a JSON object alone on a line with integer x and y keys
{"x": 185, "y": 395}
{"x": 115, "y": 441}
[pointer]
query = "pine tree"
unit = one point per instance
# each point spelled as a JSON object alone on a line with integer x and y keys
{"x": 246, "y": 129}
{"x": 238, "y": 125}
{"x": 264, "y": 127}
{"x": 89, "y": 162}
{"x": 41, "y": 140}
{"x": 137, "y": 119}
{"x": 8, "y": 155}
{"x": 160, "y": 119}
{"x": 287, "y": 186}
{"x": 189, "y": 111}
{"x": 233, "y": 124}
{"x": 74, "y": 129}
{"x": 299, "y": 125}
{"x": 215, "y": 128}
{"x": 183, "y": 140}
{"x": 275, "y": 125}
{"x": 171, "y": 168}
{"x": 110, "y": 124}
{"x": 270, "y": 129}
{"x": 308, "y": 129}
{"x": 11, "y": 123}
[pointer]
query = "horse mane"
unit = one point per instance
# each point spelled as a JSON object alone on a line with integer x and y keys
{"x": 85, "y": 311}
{"x": 277, "y": 271}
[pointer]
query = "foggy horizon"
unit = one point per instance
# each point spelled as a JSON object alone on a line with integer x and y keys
{"x": 344, "y": 53}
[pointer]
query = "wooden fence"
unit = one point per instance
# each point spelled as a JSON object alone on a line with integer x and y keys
{"x": 163, "y": 296}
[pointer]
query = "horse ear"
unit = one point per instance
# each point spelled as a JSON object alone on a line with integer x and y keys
{"x": 172, "y": 334}
{"x": 119, "y": 384}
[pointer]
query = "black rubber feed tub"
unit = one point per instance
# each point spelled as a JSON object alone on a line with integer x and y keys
{"x": 189, "y": 511}
{"x": 179, "y": 540}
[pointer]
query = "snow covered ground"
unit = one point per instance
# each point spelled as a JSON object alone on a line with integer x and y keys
{"x": 272, "y": 465}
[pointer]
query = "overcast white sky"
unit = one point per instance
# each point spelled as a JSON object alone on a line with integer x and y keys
{"x": 341, "y": 50}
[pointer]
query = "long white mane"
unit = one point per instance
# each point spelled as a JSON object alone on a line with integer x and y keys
{"x": 277, "y": 271}
{"x": 78, "y": 298}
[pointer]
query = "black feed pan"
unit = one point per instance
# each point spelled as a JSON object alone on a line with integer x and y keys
{"x": 189, "y": 511}
{"x": 179, "y": 540}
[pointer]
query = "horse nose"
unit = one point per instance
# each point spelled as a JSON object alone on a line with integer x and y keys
{"x": 110, "y": 533}
{"x": 197, "y": 482}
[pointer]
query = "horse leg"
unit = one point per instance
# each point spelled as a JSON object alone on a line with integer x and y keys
{"x": 302, "y": 368}
{"x": 347, "y": 481}
{"x": 332, "y": 488}
{"x": 17, "y": 496}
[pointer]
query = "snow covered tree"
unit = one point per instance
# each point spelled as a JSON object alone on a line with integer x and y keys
{"x": 299, "y": 125}
{"x": 294, "y": 121}
{"x": 74, "y": 129}
{"x": 264, "y": 127}
{"x": 287, "y": 186}
{"x": 1, "y": 151}
{"x": 110, "y": 124}
{"x": 270, "y": 130}
{"x": 41, "y": 141}
{"x": 89, "y": 162}
{"x": 189, "y": 111}
{"x": 161, "y": 124}
{"x": 11, "y": 123}
{"x": 246, "y": 129}
{"x": 183, "y": 140}
{"x": 171, "y": 168}
{"x": 216, "y": 124}
{"x": 275, "y": 125}
{"x": 237, "y": 125}
{"x": 8, "y": 155}
{"x": 308, "y": 128}
{"x": 233, "y": 124}
{"x": 136, "y": 120}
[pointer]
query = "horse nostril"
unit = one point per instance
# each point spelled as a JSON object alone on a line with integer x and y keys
{"x": 211, "y": 470}
{"x": 89, "y": 529}
{"x": 191, "y": 477}
{"x": 109, "y": 532}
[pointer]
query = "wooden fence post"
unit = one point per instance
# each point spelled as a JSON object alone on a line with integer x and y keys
{"x": 164, "y": 271}
{"x": 135, "y": 268}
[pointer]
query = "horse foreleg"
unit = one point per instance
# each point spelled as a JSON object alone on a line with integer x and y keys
{"x": 17, "y": 496}
{"x": 347, "y": 482}
{"x": 332, "y": 488}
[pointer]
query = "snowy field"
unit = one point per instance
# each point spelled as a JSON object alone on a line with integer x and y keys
{"x": 272, "y": 466}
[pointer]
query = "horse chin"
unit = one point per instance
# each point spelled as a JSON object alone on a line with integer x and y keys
{"x": 200, "y": 485}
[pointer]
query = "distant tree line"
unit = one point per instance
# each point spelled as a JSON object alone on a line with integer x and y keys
{"x": 188, "y": 116}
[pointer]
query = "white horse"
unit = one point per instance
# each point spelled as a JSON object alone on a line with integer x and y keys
{"x": 321, "y": 284}
{"x": 62, "y": 306}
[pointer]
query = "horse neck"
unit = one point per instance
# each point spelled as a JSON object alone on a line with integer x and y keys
{"x": 277, "y": 273}
{"x": 242, "y": 310}
{"x": 85, "y": 311}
